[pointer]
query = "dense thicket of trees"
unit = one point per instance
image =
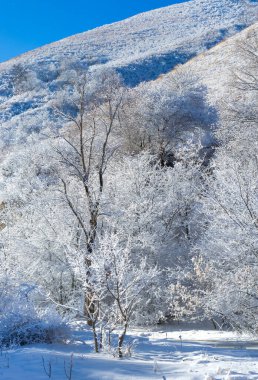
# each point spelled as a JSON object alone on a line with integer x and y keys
{"x": 228, "y": 248}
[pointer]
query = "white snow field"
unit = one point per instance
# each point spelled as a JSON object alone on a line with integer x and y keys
{"x": 199, "y": 354}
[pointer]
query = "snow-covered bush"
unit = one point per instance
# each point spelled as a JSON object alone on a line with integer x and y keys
{"x": 22, "y": 322}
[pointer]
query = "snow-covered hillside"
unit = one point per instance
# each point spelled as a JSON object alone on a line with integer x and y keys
{"x": 144, "y": 46}
{"x": 213, "y": 68}
{"x": 216, "y": 66}
{"x": 141, "y": 48}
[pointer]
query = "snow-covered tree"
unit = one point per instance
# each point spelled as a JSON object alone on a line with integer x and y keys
{"x": 167, "y": 114}
{"x": 125, "y": 279}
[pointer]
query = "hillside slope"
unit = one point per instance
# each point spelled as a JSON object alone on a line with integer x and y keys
{"x": 212, "y": 79}
{"x": 141, "y": 48}
{"x": 151, "y": 43}
{"x": 215, "y": 67}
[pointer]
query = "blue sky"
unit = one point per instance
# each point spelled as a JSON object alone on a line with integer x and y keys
{"x": 27, "y": 24}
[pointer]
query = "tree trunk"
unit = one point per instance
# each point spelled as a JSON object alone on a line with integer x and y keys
{"x": 101, "y": 338}
{"x": 95, "y": 337}
{"x": 121, "y": 341}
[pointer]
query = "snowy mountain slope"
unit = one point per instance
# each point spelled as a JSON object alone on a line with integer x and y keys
{"x": 141, "y": 48}
{"x": 213, "y": 68}
{"x": 216, "y": 67}
{"x": 153, "y": 42}
{"x": 213, "y": 73}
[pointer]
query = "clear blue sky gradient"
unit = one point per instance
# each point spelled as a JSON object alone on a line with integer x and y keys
{"x": 27, "y": 24}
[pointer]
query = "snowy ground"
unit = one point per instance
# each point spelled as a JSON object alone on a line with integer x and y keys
{"x": 158, "y": 355}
